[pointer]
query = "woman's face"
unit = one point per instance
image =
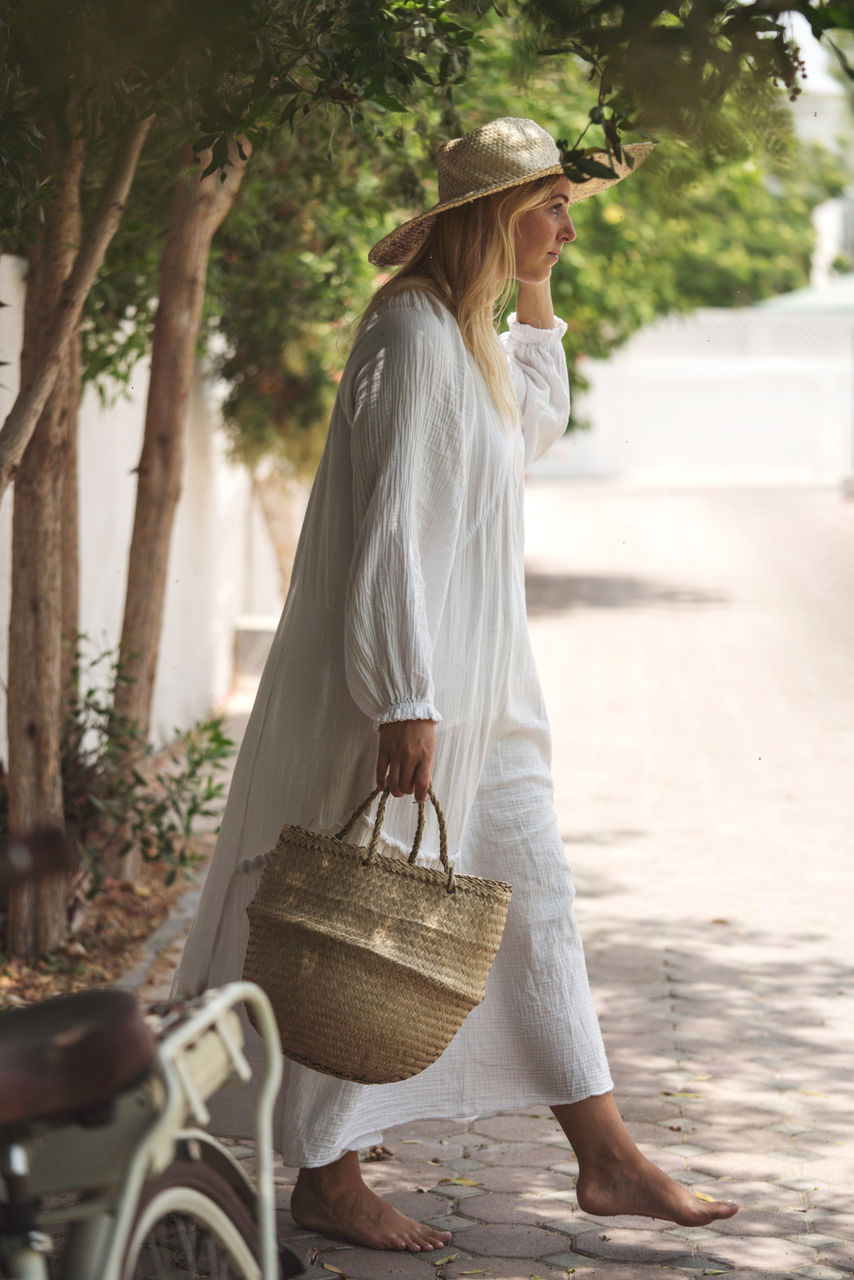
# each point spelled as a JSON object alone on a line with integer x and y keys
{"x": 541, "y": 233}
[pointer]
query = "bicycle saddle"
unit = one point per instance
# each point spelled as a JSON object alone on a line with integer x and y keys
{"x": 71, "y": 1055}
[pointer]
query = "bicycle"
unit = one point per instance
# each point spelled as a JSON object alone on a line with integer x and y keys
{"x": 103, "y": 1110}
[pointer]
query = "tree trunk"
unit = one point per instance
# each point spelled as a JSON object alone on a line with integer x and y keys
{"x": 37, "y": 915}
{"x": 64, "y": 316}
{"x": 198, "y": 208}
{"x": 282, "y": 499}
{"x": 70, "y": 536}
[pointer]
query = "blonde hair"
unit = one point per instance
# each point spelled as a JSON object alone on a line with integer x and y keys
{"x": 468, "y": 262}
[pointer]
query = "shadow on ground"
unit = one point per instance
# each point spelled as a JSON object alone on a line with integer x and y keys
{"x": 549, "y": 592}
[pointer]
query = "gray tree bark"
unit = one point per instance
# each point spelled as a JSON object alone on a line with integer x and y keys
{"x": 63, "y": 318}
{"x": 37, "y": 915}
{"x": 199, "y": 207}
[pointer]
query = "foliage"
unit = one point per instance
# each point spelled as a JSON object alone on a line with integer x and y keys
{"x": 338, "y": 164}
{"x": 684, "y": 231}
{"x": 331, "y": 78}
{"x": 119, "y": 793}
{"x": 213, "y": 73}
{"x": 661, "y": 66}
{"x": 289, "y": 278}
{"x": 290, "y": 274}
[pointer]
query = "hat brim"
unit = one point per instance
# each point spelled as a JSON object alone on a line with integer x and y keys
{"x": 400, "y": 244}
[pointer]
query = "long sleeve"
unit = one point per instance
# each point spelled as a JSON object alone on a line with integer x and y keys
{"x": 538, "y": 370}
{"x": 408, "y": 460}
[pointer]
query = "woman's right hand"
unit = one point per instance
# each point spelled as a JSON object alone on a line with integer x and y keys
{"x": 405, "y": 757}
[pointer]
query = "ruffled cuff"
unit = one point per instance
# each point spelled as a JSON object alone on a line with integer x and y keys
{"x": 530, "y": 336}
{"x": 408, "y": 711}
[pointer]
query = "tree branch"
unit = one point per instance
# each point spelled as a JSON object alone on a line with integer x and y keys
{"x": 32, "y": 397}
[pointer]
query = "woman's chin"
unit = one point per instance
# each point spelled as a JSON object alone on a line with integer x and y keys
{"x": 536, "y": 277}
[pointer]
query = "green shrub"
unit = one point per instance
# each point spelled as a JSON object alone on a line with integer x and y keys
{"x": 119, "y": 793}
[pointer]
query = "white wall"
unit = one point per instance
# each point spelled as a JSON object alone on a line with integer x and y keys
{"x": 736, "y": 397}
{"x": 221, "y": 562}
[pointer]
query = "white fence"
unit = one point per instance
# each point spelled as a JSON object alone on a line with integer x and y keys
{"x": 221, "y": 564}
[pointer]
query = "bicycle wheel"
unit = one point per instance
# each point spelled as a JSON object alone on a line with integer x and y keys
{"x": 191, "y": 1223}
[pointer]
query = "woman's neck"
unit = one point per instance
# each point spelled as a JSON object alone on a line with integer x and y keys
{"x": 534, "y": 305}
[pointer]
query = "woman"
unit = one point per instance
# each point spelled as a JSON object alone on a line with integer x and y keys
{"x": 403, "y": 655}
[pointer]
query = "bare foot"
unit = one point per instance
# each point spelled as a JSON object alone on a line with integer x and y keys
{"x": 636, "y": 1186}
{"x": 334, "y": 1201}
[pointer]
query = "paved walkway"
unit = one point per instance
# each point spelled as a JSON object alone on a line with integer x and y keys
{"x": 697, "y": 654}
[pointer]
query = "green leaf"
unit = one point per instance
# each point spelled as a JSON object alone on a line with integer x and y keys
{"x": 594, "y": 169}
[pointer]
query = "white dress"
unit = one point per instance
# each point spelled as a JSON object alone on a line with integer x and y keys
{"x": 408, "y": 601}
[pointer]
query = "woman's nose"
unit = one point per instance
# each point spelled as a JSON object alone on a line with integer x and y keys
{"x": 568, "y": 230}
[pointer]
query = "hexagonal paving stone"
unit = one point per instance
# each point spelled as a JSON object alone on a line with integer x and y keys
{"x": 428, "y": 1129}
{"x": 763, "y": 1252}
{"x": 838, "y": 1254}
{"x": 424, "y": 1150}
{"x": 806, "y": 1185}
{"x": 510, "y": 1241}
{"x": 509, "y": 1178}
{"x": 819, "y": 1272}
{"x": 537, "y": 1155}
{"x": 454, "y": 1192}
{"x": 495, "y": 1268}
{"x": 415, "y": 1204}
{"x": 740, "y": 1274}
{"x": 450, "y": 1222}
{"x": 500, "y": 1208}
{"x": 695, "y": 1264}
{"x": 573, "y": 1263}
{"x": 379, "y": 1264}
{"x": 694, "y": 1235}
{"x": 391, "y": 1177}
{"x": 622, "y": 1245}
{"x": 754, "y": 1195}
{"x": 831, "y": 1224}
{"x": 759, "y": 1166}
{"x": 625, "y": 1221}
{"x": 761, "y": 1222}
{"x": 814, "y": 1240}
{"x": 520, "y": 1126}
{"x": 684, "y": 1149}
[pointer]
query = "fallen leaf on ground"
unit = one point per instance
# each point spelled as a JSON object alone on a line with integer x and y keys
{"x": 328, "y": 1248}
{"x": 701, "y": 1195}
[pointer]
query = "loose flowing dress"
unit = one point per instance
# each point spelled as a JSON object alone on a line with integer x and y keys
{"x": 407, "y": 601}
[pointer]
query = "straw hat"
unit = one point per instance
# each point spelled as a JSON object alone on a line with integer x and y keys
{"x": 503, "y": 153}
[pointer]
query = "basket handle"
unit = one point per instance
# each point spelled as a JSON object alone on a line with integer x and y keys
{"x": 384, "y": 793}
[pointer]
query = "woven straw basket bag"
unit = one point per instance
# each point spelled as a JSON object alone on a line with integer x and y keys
{"x": 371, "y": 963}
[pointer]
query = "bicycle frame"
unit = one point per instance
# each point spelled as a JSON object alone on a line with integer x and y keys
{"x": 109, "y": 1164}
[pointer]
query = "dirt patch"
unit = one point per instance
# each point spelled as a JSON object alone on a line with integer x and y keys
{"x": 108, "y": 942}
